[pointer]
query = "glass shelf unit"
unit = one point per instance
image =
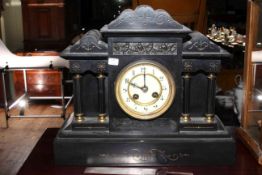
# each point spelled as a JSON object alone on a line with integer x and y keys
{"x": 250, "y": 131}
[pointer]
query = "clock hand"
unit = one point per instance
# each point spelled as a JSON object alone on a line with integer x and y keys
{"x": 144, "y": 77}
{"x": 144, "y": 88}
{"x": 133, "y": 84}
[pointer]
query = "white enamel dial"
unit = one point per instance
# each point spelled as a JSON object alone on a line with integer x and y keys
{"x": 145, "y": 89}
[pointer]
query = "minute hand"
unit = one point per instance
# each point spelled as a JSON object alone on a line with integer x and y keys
{"x": 144, "y": 77}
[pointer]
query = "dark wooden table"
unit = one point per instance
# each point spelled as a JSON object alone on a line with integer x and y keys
{"x": 41, "y": 162}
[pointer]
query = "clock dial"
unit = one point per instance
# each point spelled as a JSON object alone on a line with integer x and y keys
{"x": 145, "y": 89}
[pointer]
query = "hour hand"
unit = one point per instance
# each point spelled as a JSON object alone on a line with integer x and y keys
{"x": 133, "y": 84}
{"x": 143, "y": 88}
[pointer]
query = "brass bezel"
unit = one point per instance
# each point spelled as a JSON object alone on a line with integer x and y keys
{"x": 158, "y": 112}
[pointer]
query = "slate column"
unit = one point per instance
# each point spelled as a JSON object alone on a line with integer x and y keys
{"x": 78, "y": 102}
{"x": 101, "y": 92}
{"x": 101, "y": 97}
{"x": 186, "y": 97}
{"x": 211, "y": 92}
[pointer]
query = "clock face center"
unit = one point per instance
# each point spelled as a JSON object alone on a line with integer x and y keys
{"x": 144, "y": 89}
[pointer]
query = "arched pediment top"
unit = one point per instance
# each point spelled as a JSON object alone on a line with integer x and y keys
{"x": 90, "y": 44}
{"x": 145, "y": 18}
{"x": 200, "y": 45}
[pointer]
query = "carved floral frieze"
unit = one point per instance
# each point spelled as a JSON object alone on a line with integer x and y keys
{"x": 136, "y": 48}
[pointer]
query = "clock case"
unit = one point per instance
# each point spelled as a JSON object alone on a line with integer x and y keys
{"x": 100, "y": 133}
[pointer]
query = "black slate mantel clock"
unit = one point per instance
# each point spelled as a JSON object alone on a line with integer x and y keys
{"x": 144, "y": 89}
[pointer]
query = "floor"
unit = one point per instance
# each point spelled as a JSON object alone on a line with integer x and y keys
{"x": 19, "y": 139}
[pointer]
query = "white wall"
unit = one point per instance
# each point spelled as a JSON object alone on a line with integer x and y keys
{"x": 12, "y": 25}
